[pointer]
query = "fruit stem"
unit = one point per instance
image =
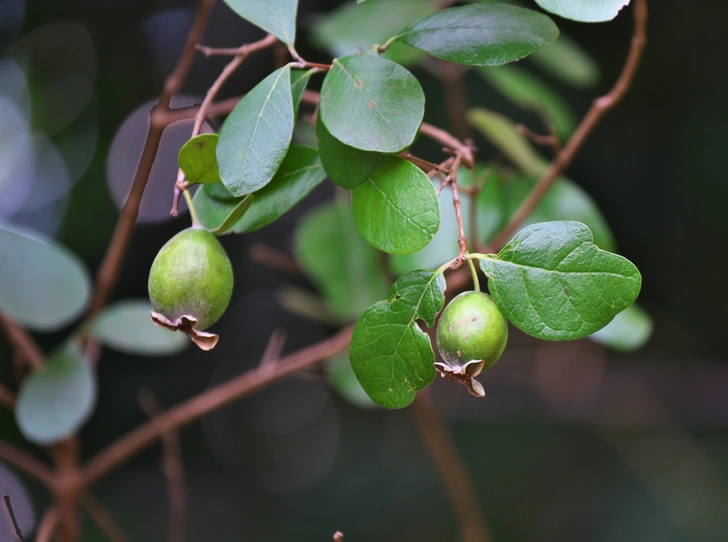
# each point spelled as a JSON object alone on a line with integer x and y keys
{"x": 191, "y": 206}
{"x": 476, "y": 282}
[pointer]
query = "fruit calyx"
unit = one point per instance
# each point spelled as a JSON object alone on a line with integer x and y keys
{"x": 471, "y": 336}
{"x": 187, "y": 324}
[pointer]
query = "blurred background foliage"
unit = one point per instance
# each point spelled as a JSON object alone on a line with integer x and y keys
{"x": 573, "y": 442}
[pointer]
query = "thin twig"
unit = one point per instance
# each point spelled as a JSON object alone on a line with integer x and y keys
{"x": 108, "y": 273}
{"x": 23, "y": 342}
{"x": 453, "y": 472}
{"x": 47, "y": 526}
{"x": 273, "y": 350}
{"x": 13, "y": 519}
{"x": 103, "y": 519}
{"x": 123, "y": 449}
{"x": 173, "y": 469}
{"x": 240, "y": 54}
{"x": 599, "y": 107}
{"x": 27, "y": 463}
{"x": 551, "y": 140}
{"x": 7, "y": 397}
{"x": 274, "y": 258}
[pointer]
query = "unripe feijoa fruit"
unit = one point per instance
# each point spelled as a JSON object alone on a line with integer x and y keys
{"x": 191, "y": 276}
{"x": 471, "y": 334}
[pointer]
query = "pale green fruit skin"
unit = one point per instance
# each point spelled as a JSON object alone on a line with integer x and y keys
{"x": 192, "y": 276}
{"x": 472, "y": 328}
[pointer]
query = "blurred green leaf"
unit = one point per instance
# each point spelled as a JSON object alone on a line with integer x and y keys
{"x": 56, "y": 400}
{"x": 564, "y": 201}
{"x": 354, "y": 28}
{"x": 585, "y": 11}
{"x": 275, "y": 16}
{"x": 480, "y": 34}
{"x": 629, "y": 330}
{"x": 42, "y": 284}
{"x": 391, "y": 356}
{"x": 371, "y": 103}
{"x": 126, "y": 326}
{"x": 565, "y": 60}
{"x": 552, "y": 282}
{"x": 299, "y": 173}
{"x": 345, "y": 165}
{"x": 255, "y": 137}
{"x": 344, "y": 381}
{"x": 396, "y": 209}
{"x": 501, "y": 132}
{"x": 531, "y": 93}
{"x": 197, "y": 159}
{"x": 338, "y": 261}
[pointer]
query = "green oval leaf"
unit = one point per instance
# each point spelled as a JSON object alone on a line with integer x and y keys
{"x": 396, "y": 209}
{"x": 42, "y": 284}
{"x": 629, "y": 330}
{"x": 338, "y": 261}
{"x": 565, "y": 60}
{"x": 275, "y": 16}
{"x": 255, "y": 137}
{"x": 56, "y": 400}
{"x": 391, "y": 356}
{"x": 529, "y": 92}
{"x": 585, "y": 11}
{"x": 126, "y": 326}
{"x": 351, "y": 28}
{"x": 371, "y": 103}
{"x": 551, "y": 281}
{"x": 299, "y": 82}
{"x": 300, "y": 172}
{"x": 444, "y": 245}
{"x": 345, "y": 165}
{"x": 481, "y": 34}
{"x": 197, "y": 159}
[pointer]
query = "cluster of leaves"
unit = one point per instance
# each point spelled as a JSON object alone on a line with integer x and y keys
{"x": 551, "y": 280}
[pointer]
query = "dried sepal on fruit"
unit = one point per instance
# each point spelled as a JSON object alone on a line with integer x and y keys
{"x": 471, "y": 336}
{"x": 190, "y": 285}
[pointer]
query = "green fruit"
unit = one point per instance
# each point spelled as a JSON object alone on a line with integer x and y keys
{"x": 191, "y": 281}
{"x": 471, "y": 336}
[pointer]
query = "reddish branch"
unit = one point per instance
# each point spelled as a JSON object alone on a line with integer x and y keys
{"x": 103, "y": 519}
{"x": 123, "y": 449}
{"x": 240, "y": 54}
{"x": 23, "y": 342}
{"x": 173, "y": 469}
{"x": 47, "y": 526}
{"x": 108, "y": 273}
{"x": 600, "y": 106}
{"x": 453, "y": 472}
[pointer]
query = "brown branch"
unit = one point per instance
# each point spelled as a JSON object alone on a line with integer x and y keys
{"x": 274, "y": 258}
{"x": 551, "y": 140}
{"x": 13, "y": 519}
{"x": 47, "y": 526}
{"x": 173, "y": 469}
{"x": 453, "y": 472}
{"x": 23, "y": 342}
{"x": 599, "y": 107}
{"x": 241, "y": 53}
{"x": 7, "y": 397}
{"x": 27, "y": 463}
{"x": 103, "y": 519}
{"x": 123, "y": 449}
{"x": 109, "y": 270}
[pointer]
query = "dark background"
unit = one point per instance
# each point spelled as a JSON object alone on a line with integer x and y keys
{"x": 573, "y": 442}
